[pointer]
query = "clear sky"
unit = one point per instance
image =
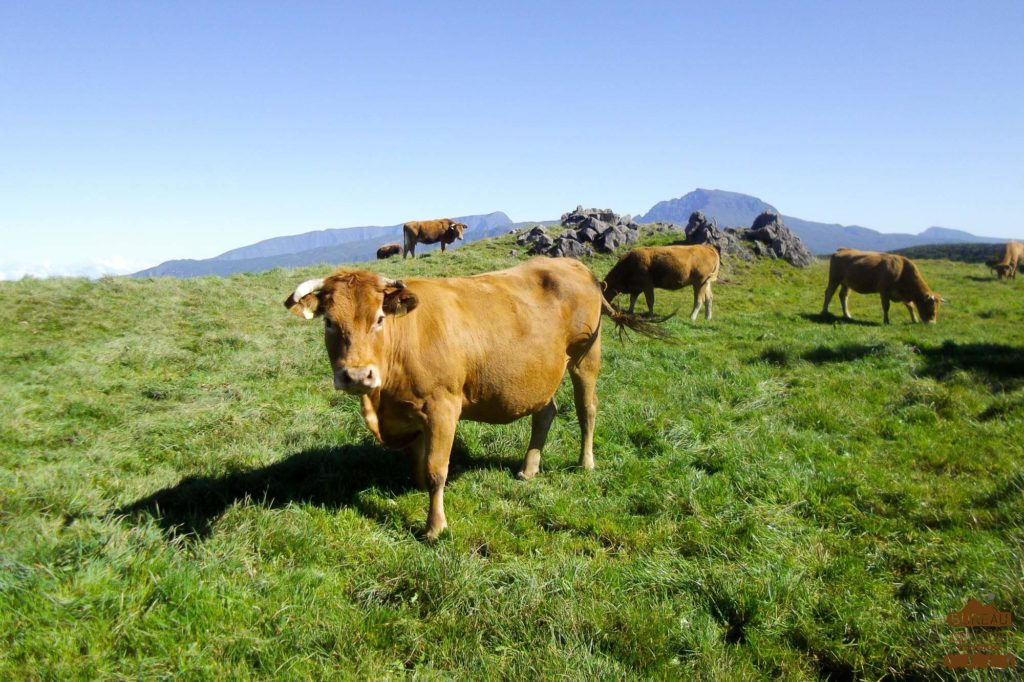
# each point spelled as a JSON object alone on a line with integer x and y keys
{"x": 136, "y": 132}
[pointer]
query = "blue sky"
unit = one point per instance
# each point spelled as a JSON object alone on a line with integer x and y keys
{"x": 131, "y": 133}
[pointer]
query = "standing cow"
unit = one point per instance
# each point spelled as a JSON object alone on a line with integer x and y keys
{"x": 893, "y": 277}
{"x": 1010, "y": 256}
{"x": 425, "y": 353}
{"x": 444, "y": 230}
{"x": 665, "y": 267}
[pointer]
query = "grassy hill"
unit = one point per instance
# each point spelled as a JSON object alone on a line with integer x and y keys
{"x": 182, "y": 493}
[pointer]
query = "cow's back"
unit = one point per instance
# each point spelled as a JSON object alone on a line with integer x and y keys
{"x": 866, "y": 272}
{"x": 427, "y": 231}
{"x": 666, "y": 267}
{"x": 502, "y": 339}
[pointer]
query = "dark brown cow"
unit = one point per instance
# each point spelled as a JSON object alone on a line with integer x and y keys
{"x": 1008, "y": 260}
{"x": 665, "y": 267}
{"x": 389, "y": 250}
{"x": 444, "y": 230}
{"x": 895, "y": 278}
{"x": 423, "y": 354}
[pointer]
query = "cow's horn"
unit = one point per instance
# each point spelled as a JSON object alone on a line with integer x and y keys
{"x": 394, "y": 283}
{"x": 310, "y": 286}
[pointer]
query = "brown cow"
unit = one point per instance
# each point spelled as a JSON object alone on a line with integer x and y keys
{"x": 444, "y": 230}
{"x": 423, "y": 354}
{"x": 1008, "y": 260}
{"x": 895, "y": 278}
{"x": 389, "y": 250}
{"x": 665, "y": 267}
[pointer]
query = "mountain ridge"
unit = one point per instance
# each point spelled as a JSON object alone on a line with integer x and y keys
{"x": 728, "y": 209}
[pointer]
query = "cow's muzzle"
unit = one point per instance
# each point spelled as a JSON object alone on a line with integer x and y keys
{"x": 357, "y": 380}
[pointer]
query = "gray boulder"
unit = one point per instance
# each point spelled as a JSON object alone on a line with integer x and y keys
{"x": 567, "y": 247}
{"x": 778, "y": 240}
{"x": 540, "y": 244}
{"x": 700, "y": 230}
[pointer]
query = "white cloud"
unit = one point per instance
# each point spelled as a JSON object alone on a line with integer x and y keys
{"x": 111, "y": 265}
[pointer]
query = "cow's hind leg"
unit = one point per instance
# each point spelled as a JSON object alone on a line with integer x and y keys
{"x": 583, "y": 372}
{"x": 885, "y": 309}
{"x": 844, "y": 298}
{"x": 538, "y": 436}
{"x": 649, "y": 298}
{"x": 632, "y": 302}
{"x": 698, "y": 300}
{"x": 708, "y": 297}
{"x": 829, "y": 291}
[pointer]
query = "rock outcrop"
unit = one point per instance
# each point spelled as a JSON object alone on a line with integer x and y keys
{"x": 767, "y": 237}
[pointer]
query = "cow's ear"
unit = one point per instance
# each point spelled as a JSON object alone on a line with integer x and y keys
{"x": 305, "y": 300}
{"x": 399, "y": 302}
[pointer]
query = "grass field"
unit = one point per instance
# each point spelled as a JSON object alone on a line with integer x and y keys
{"x": 183, "y": 494}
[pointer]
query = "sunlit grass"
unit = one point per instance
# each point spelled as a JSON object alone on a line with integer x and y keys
{"x": 183, "y": 493}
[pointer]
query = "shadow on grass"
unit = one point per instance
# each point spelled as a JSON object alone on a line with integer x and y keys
{"x": 976, "y": 278}
{"x": 829, "y": 318}
{"x": 849, "y": 352}
{"x": 999, "y": 365}
{"x": 326, "y": 477}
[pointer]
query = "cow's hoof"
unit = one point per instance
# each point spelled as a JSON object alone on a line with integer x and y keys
{"x": 525, "y": 475}
{"x": 433, "y": 534}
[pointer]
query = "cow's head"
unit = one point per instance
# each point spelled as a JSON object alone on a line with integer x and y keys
{"x": 355, "y": 306}
{"x": 456, "y": 230}
{"x": 928, "y": 307}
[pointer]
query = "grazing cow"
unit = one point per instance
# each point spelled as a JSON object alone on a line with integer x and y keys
{"x": 389, "y": 250}
{"x": 1009, "y": 258}
{"x": 425, "y": 353}
{"x": 444, "y": 230}
{"x": 665, "y": 267}
{"x": 895, "y": 278}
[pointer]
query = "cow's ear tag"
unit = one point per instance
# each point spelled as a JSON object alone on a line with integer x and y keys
{"x": 400, "y": 302}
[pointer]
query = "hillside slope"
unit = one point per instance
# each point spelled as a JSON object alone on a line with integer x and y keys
{"x": 183, "y": 494}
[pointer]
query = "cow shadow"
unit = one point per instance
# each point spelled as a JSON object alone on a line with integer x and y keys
{"x": 330, "y": 478}
{"x": 829, "y": 318}
{"x": 999, "y": 365}
{"x": 848, "y": 352}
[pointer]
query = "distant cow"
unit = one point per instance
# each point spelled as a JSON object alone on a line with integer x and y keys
{"x": 389, "y": 250}
{"x": 444, "y": 230}
{"x": 423, "y": 354}
{"x": 895, "y": 278}
{"x": 665, "y": 267}
{"x": 1008, "y": 260}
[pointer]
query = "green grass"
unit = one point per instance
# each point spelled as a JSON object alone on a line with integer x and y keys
{"x": 182, "y": 493}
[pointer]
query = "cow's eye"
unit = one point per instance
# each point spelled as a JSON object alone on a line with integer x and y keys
{"x": 380, "y": 320}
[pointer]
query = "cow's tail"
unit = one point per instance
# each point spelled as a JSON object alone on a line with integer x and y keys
{"x": 649, "y": 326}
{"x": 713, "y": 277}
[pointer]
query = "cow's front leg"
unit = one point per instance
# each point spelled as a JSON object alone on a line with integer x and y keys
{"x": 538, "y": 436}
{"x": 910, "y": 308}
{"x": 632, "y": 301}
{"x": 443, "y": 247}
{"x": 438, "y": 437}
